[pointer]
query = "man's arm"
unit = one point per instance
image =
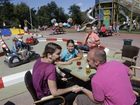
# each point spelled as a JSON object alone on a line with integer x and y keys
{"x": 97, "y": 39}
{"x": 136, "y": 93}
{"x": 86, "y": 92}
{"x": 89, "y": 94}
{"x": 97, "y": 42}
{"x": 85, "y": 39}
{"x": 63, "y": 63}
{"x": 56, "y": 92}
{"x": 84, "y": 42}
{"x": 130, "y": 73}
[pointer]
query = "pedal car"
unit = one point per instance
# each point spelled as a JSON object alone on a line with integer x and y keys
{"x": 15, "y": 59}
{"x": 32, "y": 41}
{"x": 57, "y": 29}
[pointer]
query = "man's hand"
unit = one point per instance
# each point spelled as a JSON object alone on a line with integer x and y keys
{"x": 77, "y": 89}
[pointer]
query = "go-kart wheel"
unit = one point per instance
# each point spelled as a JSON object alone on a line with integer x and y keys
{"x": 34, "y": 56}
{"x": 36, "y": 41}
{"x": 14, "y": 61}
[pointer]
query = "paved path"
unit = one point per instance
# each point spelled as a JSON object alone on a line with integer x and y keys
{"x": 18, "y": 94}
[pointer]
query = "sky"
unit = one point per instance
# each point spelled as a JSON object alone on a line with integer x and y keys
{"x": 65, "y": 4}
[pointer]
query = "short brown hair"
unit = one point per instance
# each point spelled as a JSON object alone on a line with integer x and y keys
{"x": 50, "y": 48}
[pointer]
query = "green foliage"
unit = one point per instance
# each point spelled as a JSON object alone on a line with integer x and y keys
{"x": 6, "y": 12}
{"x": 50, "y": 11}
{"x": 75, "y": 14}
{"x": 13, "y": 15}
{"x": 22, "y": 13}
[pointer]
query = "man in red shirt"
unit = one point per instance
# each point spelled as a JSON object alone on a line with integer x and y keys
{"x": 103, "y": 30}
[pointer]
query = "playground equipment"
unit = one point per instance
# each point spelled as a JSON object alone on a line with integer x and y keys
{"x": 108, "y": 11}
{"x": 90, "y": 17}
{"x": 126, "y": 17}
{"x": 127, "y": 20}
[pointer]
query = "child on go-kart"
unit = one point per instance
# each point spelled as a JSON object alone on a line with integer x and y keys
{"x": 18, "y": 48}
{"x": 57, "y": 28}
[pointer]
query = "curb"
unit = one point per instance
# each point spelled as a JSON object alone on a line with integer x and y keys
{"x": 1, "y": 83}
{"x": 12, "y": 79}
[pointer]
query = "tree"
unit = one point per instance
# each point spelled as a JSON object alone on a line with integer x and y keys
{"x": 50, "y": 11}
{"x": 42, "y": 16}
{"x": 22, "y": 13}
{"x": 6, "y": 12}
{"x": 75, "y": 14}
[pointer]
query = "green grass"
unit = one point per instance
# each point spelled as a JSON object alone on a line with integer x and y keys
{"x": 132, "y": 32}
{"x": 69, "y": 30}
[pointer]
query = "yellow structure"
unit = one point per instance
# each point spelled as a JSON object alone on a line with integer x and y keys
{"x": 17, "y": 31}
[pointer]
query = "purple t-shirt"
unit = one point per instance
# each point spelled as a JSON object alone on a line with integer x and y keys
{"x": 42, "y": 72}
{"x": 111, "y": 84}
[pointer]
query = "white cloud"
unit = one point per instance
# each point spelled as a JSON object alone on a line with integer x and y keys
{"x": 79, "y": 4}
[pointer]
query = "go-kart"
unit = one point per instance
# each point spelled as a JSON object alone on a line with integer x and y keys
{"x": 1, "y": 53}
{"x": 57, "y": 29}
{"x": 32, "y": 41}
{"x": 15, "y": 59}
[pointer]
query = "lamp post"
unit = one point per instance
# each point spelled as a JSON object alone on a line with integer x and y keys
{"x": 99, "y": 14}
{"x": 131, "y": 15}
{"x": 31, "y": 17}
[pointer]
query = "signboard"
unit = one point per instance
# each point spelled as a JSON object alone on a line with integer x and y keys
{"x": 107, "y": 21}
{"x": 106, "y": 12}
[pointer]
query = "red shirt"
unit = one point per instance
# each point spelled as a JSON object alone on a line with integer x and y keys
{"x": 90, "y": 41}
{"x": 103, "y": 29}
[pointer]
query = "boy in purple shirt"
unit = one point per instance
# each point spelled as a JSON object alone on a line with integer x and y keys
{"x": 110, "y": 85}
{"x": 44, "y": 74}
